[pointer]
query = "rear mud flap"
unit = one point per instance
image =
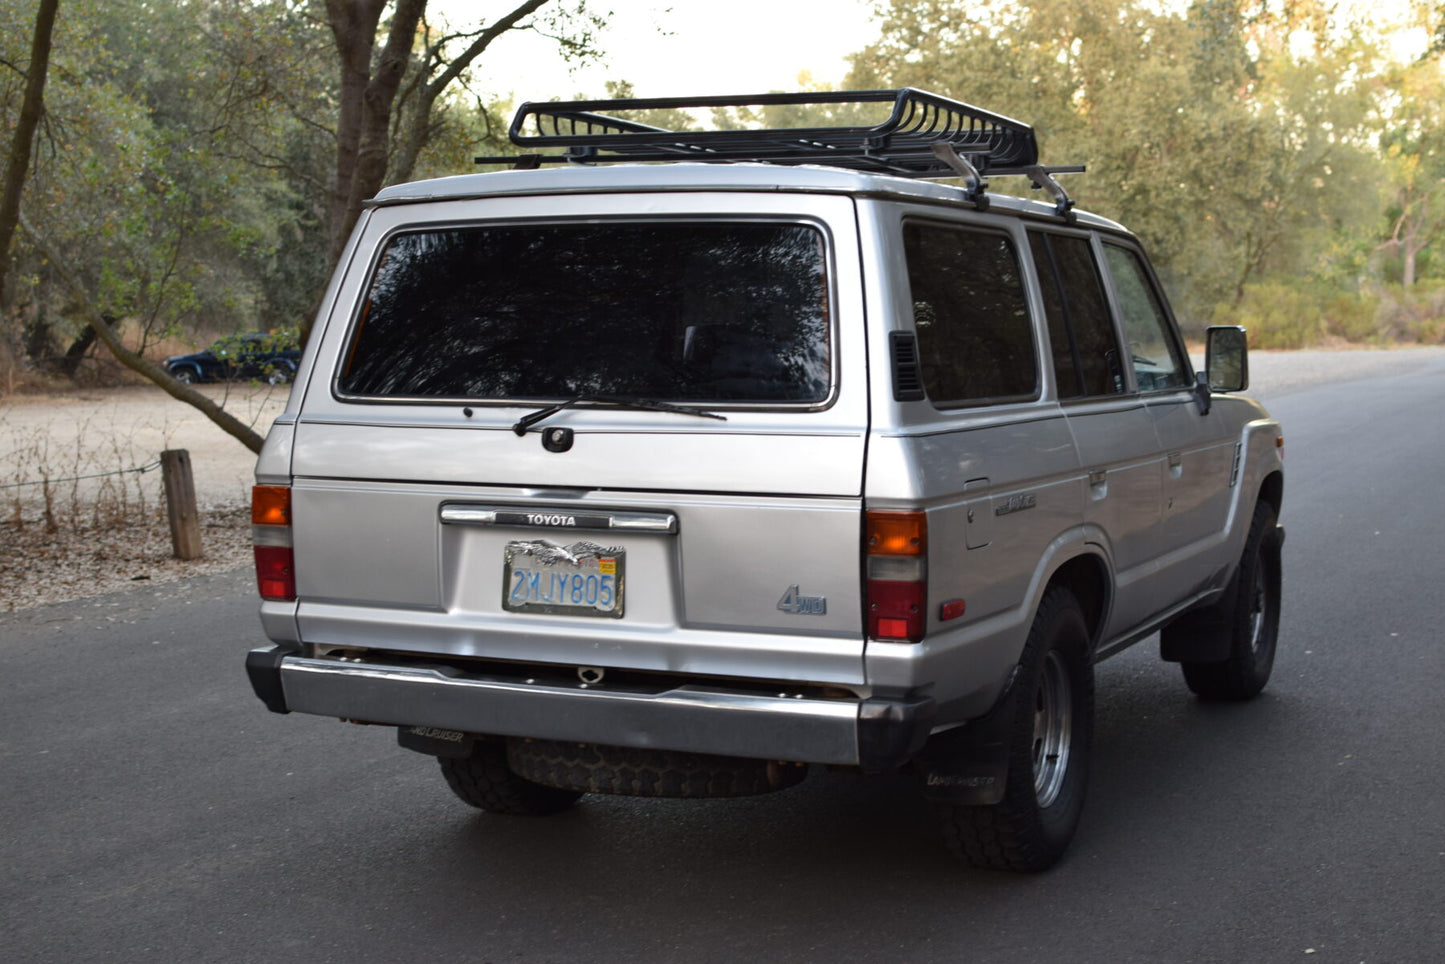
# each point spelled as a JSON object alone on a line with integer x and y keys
{"x": 435, "y": 742}
{"x": 968, "y": 765}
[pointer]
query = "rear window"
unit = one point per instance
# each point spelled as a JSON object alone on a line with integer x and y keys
{"x": 682, "y": 311}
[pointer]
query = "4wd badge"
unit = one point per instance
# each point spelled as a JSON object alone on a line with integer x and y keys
{"x": 800, "y": 605}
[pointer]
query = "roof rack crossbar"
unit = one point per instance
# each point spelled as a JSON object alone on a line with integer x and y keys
{"x": 1043, "y": 178}
{"x": 975, "y": 185}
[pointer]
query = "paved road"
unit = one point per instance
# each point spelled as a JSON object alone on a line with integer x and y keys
{"x": 150, "y": 809}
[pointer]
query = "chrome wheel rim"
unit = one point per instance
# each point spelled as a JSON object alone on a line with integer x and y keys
{"x": 1053, "y": 729}
{"x": 1258, "y": 602}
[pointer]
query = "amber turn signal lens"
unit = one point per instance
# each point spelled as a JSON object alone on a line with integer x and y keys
{"x": 271, "y": 505}
{"x": 897, "y": 533}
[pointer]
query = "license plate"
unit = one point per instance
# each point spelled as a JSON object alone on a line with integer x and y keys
{"x": 583, "y": 579}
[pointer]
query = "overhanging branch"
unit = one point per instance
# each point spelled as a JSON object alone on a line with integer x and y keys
{"x": 227, "y": 422}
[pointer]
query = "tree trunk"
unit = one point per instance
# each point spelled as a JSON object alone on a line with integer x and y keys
{"x": 353, "y": 26}
{"x": 69, "y": 363}
{"x": 367, "y": 95}
{"x": 419, "y": 130}
{"x": 368, "y": 98}
{"x": 18, "y": 163}
{"x": 39, "y": 340}
{"x": 228, "y": 423}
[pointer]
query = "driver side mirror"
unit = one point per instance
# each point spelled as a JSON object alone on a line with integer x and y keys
{"x": 1226, "y": 359}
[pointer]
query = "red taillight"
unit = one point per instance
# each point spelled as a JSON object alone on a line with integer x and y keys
{"x": 271, "y": 534}
{"x": 895, "y": 548}
{"x": 275, "y": 573}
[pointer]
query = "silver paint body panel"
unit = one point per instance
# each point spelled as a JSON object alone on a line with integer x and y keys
{"x": 763, "y": 501}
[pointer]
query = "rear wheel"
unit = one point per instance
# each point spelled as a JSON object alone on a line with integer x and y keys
{"x": 484, "y": 780}
{"x": 1049, "y": 742}
{"x": 1252, "y": 624}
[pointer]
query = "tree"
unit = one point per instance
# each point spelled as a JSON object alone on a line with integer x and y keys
{"x": 17, "y": 164}
{"x": 1414, "y": 148}
{"x": 134, "y": 185}
{"x": 372, "y": 146}
{"x": 190, "y": 164}
{"x": 1201, "y": 128}
{"x": 102, "y": 327}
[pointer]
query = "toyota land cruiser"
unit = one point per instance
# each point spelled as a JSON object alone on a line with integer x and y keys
{"x": 762, "y": 451}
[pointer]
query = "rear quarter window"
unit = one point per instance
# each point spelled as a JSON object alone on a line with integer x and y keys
{"x": 975, "y": 340}
{"x": 712, "y": 311}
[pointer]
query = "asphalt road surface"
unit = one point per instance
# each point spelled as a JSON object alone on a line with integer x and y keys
{"x": 152, "y": 810}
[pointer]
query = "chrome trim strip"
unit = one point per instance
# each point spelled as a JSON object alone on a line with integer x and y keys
{"x": 553, "y": 517}
{"x": 468, "y": 515}
{"x": 687, "y": 718}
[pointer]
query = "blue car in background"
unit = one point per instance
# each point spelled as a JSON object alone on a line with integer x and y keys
{"x": 259, "y": 356}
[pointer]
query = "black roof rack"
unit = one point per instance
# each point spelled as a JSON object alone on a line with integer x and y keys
{"x": 924, "y": 136}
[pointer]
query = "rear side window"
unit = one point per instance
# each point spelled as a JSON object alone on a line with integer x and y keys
{"x": 682, "y": 311}
{"x": 1081, "y": 333}
{"x": 975, "y": 342}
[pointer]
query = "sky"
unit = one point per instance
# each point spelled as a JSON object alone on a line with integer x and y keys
{"x": 680, "y": 48}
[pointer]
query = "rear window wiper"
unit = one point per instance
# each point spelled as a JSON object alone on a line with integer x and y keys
{"x": 642, "y": 404}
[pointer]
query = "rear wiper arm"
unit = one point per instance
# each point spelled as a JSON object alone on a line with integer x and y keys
{"x": 643, "y": 404}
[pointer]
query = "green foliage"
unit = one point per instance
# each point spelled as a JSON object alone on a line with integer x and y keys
{"x": 1234, "y": 137}
{"x": 1305, "y": 314}
{"x": 1279, "y": 168}
{"x": 1277, "y": 315}
{"x": 137, "y": 178}
{"x": 1413, "y": 145}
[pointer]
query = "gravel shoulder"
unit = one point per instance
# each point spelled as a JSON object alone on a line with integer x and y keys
{"x": 1276, "y": 373}
{"x": 98, "y": 535}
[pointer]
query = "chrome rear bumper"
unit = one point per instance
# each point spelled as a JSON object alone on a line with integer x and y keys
{"x": 875, "y": 734}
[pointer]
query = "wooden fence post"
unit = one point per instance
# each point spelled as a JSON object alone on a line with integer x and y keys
{"x": 180, "y": 489}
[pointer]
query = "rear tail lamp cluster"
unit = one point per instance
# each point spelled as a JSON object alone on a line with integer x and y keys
{"x": 896, "y": 561}
{"x": 271, "y": 536}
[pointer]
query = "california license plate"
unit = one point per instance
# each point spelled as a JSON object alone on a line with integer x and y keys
{"x": 583, "y": 579}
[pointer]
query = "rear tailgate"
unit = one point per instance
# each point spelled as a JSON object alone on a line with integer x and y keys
{"x": 651, "y": 541}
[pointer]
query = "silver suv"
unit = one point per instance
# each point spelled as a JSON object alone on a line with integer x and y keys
{"x": 677, "y": 479}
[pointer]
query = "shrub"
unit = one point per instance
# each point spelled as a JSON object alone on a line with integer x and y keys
{"x": 1287, "y": 314}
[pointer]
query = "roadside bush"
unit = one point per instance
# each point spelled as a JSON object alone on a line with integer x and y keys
{"x": 1414, "y": 314}
{"x": 1277, "y": 314}
{"x": 1284, "y": 314}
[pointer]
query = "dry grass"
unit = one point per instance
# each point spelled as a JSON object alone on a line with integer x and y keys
{"x": 77, "y": 519}
{"x": 39, "y": 566}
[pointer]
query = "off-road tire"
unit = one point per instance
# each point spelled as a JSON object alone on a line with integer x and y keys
{"x": 1253, "y": 623}
{"x": 638, "y": 772}
{"x": 1053, "y": 707}
{"x": 485, "y": 781}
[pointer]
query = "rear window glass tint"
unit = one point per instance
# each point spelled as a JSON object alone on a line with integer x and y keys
{"x": 684, "y": 311}
{"x": 975, "y": 341}
{"x": 1085, "y": 350}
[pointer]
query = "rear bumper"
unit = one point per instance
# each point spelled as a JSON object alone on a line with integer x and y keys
{"x": 875, "y": 734}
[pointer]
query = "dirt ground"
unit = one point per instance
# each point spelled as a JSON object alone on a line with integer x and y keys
{"x": 76, "y": 517}
{"x": 95, "y": 430}
{"x": 97, "y": 535}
